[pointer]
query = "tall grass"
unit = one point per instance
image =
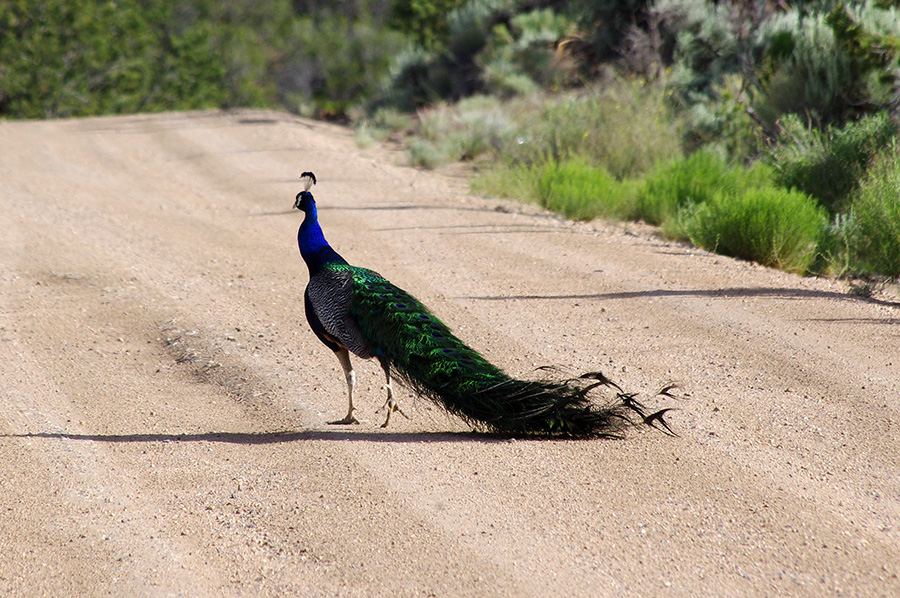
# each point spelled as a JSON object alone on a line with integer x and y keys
{"x": 876, "y": 216}
{"x": 464, "y": 131}
{"x": 624, "y": 127}
{"x": 773, "y": 226}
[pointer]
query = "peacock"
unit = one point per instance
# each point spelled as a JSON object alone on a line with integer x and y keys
{"x": 355, "y": 310}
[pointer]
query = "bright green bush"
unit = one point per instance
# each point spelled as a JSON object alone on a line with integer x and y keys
{"x": 772, "y": 226}
{"x": 695, "y": 179}
{"x": 876, "y": 215}
{"x": 580, "y": 191}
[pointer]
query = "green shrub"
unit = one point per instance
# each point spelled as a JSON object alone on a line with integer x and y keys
{"x": 876, "y": 215}
{"x": 775, "y": 227}
{"x": 828, "y": 164}
{"x": 695, "y": 179}
{"x": 580, "y": 191}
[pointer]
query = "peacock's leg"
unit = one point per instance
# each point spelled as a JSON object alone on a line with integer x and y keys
{"x": 343, "y": 356}
{"x": 390, "y": 404}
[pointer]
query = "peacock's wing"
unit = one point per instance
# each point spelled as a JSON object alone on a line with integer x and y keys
{"x": 401, "y": 331}
{"x": 329, "y": 295}
{"x": 393, "y": 323}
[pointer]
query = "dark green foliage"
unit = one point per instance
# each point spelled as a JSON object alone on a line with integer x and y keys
{"x": 774, "y": 227}
{"x": 63, "y": 58}
{"x": 413, "y": 81}
{"x": 321, "y": 62}
{"x": 828, "y": 163}
{"x": 424, "y": 21}
{"x": 331, "y": 78}
{"x": 489, "y": 47}
{"x": 608, "y": 22}
{"x": 60, "y": 58}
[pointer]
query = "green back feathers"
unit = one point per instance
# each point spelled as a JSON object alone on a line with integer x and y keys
{"x": 399, "y": 329}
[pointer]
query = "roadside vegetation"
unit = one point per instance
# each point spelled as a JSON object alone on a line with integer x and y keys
{"x": 765, "y": 131}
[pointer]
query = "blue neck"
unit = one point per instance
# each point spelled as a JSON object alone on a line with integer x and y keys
{"x": 315, "y": 250}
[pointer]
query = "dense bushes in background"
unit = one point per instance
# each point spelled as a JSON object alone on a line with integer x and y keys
{"x": 734, "y": 69}
{"x": 60, "y": 58}
{"x": 711, "y": 119}
{"x": 64, "y": 58}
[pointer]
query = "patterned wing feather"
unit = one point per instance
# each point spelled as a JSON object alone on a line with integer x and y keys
{"x": 329, "y": 295}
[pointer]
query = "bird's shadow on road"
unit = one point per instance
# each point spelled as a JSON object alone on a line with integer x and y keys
{"x": 251, "y": 438}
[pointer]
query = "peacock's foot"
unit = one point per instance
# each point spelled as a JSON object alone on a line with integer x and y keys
{"x": 346, "y": 421}
{"x": 391, "y": 406}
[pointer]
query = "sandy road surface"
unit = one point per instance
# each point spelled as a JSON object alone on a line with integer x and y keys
{"x": 163, "y": 403}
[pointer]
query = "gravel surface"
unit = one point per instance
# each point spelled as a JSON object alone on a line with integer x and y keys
{"x": 163, "y": 403}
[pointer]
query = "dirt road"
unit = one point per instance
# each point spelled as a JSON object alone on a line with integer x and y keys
{"x": 163, "y": 402}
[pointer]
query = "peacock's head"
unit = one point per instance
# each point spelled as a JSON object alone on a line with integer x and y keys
{"x": 304, "y": 199}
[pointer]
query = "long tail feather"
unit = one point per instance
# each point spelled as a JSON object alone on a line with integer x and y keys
{"x": 427, "y": 357}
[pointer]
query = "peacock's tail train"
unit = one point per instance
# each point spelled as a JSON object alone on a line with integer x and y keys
{"x": 421, "y": 351}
